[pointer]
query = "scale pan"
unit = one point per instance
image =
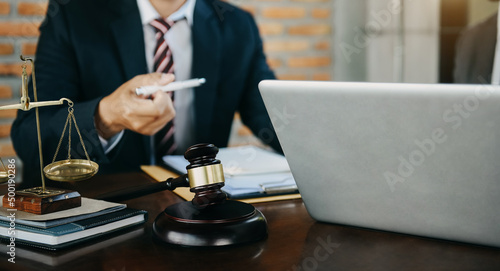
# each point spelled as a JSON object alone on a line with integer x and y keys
{"x": 4, "y": 176}
{"x": 71, "y": 170}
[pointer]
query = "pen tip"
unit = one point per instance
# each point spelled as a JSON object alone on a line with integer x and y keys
{"x": 202, "y": 80}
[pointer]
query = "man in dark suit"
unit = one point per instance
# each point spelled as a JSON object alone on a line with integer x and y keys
{"x": 95, "y": 52}
{"x": 476, "y": 53}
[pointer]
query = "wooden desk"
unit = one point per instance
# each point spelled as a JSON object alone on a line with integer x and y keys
{"x": 295, "y": 242}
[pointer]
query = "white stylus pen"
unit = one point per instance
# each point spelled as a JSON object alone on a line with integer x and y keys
{"x": 191, "y": 83}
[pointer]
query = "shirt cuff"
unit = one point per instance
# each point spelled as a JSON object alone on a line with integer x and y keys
{"x": 110, "y": 144}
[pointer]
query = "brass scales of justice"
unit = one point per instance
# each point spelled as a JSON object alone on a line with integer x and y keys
{"x": 42, "y": 200}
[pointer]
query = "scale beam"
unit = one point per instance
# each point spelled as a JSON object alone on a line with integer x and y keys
{"x": 31, "y": 105}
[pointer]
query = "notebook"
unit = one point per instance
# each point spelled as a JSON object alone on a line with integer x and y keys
{"x": 420, "y": 159}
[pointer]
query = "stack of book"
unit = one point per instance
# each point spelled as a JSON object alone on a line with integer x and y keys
{"x": 62, "y": 229}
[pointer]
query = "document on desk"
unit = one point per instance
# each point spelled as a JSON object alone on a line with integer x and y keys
{"x": 249, "y": 171}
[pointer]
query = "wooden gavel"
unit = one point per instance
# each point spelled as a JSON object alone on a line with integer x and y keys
{"x": 204, "y": 176}
{"x": 209, "y": 219}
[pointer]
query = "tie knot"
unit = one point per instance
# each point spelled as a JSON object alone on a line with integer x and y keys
{"x": 162, "y": 25}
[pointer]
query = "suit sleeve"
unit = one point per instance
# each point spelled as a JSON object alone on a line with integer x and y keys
{"x": 57, "y": 76}
{"x": 252, "y": 109}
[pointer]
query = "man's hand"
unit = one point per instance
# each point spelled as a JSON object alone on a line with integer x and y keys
{"x": 123, "y": 109}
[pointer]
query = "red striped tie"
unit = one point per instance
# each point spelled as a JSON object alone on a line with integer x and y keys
{"x": 163, "y": 63}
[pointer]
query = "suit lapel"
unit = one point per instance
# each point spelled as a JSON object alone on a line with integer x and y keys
{"x": 128, "y": 33}
{"x": 129, "y": 37}
{"x": 207, "y": 40}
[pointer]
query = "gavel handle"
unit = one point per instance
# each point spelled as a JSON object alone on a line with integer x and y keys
{"x": 138, "y": 191}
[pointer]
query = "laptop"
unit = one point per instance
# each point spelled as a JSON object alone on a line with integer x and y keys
{"x": 421, "y": 159}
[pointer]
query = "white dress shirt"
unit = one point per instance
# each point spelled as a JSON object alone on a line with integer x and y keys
{"x": 178, "y": 38}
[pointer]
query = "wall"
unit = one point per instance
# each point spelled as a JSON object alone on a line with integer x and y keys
{"x": 19, "y": 21}
{"x": 297, "y": 38}
{"x": 480, "y": 10}
{"x": 384, "y": 40}
{"x": 395, "y": 54}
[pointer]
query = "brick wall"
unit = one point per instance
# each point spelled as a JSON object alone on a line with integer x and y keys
{"x": 297, "y": 36}
{"x": 297, "y": 39}
{"x": 19, "y": 21}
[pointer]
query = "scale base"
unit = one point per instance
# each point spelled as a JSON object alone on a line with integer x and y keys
{"x": 36, "y": 201}
{"x": 224, "y": 224}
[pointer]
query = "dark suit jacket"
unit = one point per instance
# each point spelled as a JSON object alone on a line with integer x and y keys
{"x": 88, "y": 48}
{"x": 476, "y": 53}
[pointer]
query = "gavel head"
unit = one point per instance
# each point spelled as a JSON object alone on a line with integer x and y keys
{"x": 205, "y": 175}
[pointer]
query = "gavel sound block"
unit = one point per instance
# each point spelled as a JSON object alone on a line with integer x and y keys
{"x": 210, "y": 219}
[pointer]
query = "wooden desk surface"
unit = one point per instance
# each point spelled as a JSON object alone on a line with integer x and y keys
{"x": 295, "y": 242}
